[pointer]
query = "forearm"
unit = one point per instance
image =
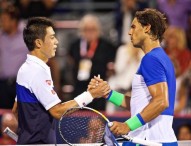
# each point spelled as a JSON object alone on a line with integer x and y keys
{"x": 158, "y": 103}
{"x": 15, "y": 110}
{"x": 58, "y": 110}
{"x": 126, "y": 102}
{"x": 81, "y": 100}
{"x": 118, "y": 99}
{"x": 153, "y": 109}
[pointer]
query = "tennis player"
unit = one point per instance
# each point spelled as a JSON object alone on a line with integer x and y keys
{"x": 37, "y": 103}
{"x": 153, "y": 87}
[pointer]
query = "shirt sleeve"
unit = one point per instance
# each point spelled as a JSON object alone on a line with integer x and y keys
{"x": 42, "y": 87}
{"x": 152, "y": 70}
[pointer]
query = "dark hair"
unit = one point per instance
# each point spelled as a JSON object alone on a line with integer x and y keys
{"x": 35, "y": 29}
{"x": 156, "y": 19}
{"x": 12, "y": 11}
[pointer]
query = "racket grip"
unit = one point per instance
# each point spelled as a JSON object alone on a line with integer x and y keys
{"x": 11, "y": 134}
{"x": 110, "y": 124}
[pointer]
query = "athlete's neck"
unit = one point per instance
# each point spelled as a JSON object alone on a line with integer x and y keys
{"x": 150, "y": 45}
{"x": 39, "y": 55}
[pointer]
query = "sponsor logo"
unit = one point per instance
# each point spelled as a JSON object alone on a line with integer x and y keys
{"x": 48, "y": 82}
{"x": 53, "y": 92}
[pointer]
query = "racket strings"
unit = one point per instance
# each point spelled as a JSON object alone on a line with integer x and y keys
{"x": 82, "y": 126}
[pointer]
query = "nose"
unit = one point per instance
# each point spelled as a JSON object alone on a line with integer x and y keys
{"x": 129, "y": 32}
{"x": 56, "y": 42}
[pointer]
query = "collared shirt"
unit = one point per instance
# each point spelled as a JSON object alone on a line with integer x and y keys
{"x": 12, "y": 53}
{"x": 155, "y": 67}
{"x": 35, "y": 95}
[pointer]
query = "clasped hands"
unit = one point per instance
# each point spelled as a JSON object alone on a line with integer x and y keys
{"x": 99, "y": 88}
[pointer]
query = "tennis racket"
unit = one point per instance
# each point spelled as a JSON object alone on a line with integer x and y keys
{"x": 86, "y": 125}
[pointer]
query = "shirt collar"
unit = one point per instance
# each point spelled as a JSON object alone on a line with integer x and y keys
{"x": 38, "y": 61}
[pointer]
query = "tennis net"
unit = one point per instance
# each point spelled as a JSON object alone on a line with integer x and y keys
{"x": 180, "y": 143}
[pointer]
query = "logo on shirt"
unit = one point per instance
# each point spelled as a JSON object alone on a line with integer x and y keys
{"x": 48, "y": 82}
{"x": 53, "y": 92}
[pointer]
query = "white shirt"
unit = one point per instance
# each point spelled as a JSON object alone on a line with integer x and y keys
{"x": 35, "y": 76}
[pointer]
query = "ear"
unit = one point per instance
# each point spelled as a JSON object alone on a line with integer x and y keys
{"x": 38, "y": 43}
{"x": 147, "y": 28}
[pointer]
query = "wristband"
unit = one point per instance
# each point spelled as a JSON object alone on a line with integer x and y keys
{"x": 135, "y": 122}
{"x": 84, "y": 99}
{"x": 115, "y": 97}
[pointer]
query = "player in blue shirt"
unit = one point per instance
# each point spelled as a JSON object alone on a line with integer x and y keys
{"x": 151, "y": 102}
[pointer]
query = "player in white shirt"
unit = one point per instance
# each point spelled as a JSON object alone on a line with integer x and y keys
{"x": 151, "y": 102}
{"x": 37, "y": 103}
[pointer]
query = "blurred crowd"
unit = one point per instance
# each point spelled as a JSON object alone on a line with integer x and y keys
{"x": 97, "y": 44}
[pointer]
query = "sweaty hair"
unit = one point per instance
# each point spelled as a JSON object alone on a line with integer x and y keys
{"x": 35, "y": 29}
{"x": 156, "y": 19}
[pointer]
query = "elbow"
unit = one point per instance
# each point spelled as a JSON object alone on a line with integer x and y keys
{"x": 164, "y": 105}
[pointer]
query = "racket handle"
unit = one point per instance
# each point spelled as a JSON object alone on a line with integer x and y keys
{"x": 11, "y": 134}
{"x": 110, "y": 124}
{"x": 141, "y": 141}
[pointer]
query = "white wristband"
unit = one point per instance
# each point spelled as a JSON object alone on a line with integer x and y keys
{"x": 84, "y": 99}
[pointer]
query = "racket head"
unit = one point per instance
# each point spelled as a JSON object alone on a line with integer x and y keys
{"x": 82, "y": 125}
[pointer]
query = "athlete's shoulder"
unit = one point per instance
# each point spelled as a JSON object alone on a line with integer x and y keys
{"x": 156, "y": 54}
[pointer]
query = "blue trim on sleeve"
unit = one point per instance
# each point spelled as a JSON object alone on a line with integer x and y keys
{"x": 170, "y": 144}
{"x": 109, "y": 95}
{"x": 140, "y": 119}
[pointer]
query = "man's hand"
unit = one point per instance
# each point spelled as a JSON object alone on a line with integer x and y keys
{"x": 119, "y": 128}
{"x": 98, "y": 88}
{"x": 94, "y": 82}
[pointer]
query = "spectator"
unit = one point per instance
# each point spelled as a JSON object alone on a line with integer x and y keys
{"x": 91, "y": 55}
{"x": 12, "y": 54}
{"x": 185, "y": 90}
{"x": 126, "y": 64}
{"x": 31, "y": 8}
{"x": 181, "y": 90}
{"x": 8, "y": 120}
{"x": 4, "y": 4}
{"x": 184, "y": 132}
{"x": 177, "y": 11}
{"x": 123, "y": 20}
{"x": 188, "y": 33}
{"x": 176, "y": 47}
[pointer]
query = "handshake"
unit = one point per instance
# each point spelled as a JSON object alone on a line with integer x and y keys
{"x": 98, "y": 88}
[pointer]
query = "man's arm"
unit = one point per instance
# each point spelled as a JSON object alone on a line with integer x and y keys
{"x": 126, "y": 101}
{"x": 58, "y": 110}
{"x": 158, "y": 103}
{"x": 15, "y": 110}
{"x": 156, "y": 106}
